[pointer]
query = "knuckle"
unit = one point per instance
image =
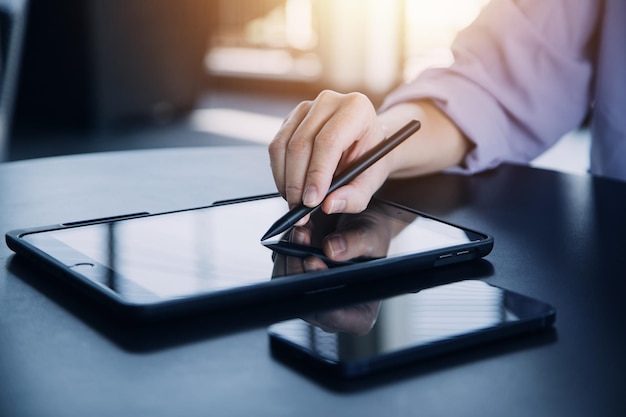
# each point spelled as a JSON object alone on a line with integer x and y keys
{"x": 293, "y": 188}
{"x": 276, "y": 145}
{"x": 316, "y": 174}
{"x": 357, "y": 100}
{"x": 293, "y": 192}
{"x": 302, "y": 107}
{"x": 328, "y": 139}
{"x": 298, "y": 145}
{"x": 327, "y": 95}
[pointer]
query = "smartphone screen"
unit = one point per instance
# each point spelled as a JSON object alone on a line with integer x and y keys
{"x": 365, "y": 338}
{"x": 199, "y": 251}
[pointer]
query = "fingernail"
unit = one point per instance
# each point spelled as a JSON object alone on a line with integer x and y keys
{"x": 309, "y": 198}
{"x": 337, "y": 245}
{"x": 337, "y": 206}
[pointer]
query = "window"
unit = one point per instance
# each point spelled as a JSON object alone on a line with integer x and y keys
{"x": 346, "y": 45}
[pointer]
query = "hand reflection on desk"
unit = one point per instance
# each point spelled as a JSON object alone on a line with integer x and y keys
{"x": 358, "y": 319}
{"x": 328, "y": 241}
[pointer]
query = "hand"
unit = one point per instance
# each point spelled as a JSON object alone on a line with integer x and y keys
{"x": 321, "y": 137}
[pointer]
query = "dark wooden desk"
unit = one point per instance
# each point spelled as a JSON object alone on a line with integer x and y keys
{"x": 560, "y": 238}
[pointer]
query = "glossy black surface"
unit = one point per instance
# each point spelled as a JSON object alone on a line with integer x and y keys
{"x": 559, "y": 238}
{"x": 362, "y": 339}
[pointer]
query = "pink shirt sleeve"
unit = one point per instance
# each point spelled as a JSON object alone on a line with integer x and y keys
{"x": 522, "y": 77}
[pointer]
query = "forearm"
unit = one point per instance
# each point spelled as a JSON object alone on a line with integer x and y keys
{"x": 438, "y": 145}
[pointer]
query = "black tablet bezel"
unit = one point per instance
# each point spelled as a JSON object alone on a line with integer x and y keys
{"x": 264, "y": 291}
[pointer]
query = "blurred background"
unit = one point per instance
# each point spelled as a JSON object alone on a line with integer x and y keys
{"x": 98, "y": 75}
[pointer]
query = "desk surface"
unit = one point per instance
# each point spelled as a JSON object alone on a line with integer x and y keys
{"x": 558, "y": 237}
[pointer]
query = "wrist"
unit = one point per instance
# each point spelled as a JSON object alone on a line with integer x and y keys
{"x": 438, "y": 145}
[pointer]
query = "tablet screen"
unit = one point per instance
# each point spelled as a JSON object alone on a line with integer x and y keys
{"x": 203, "y": 250}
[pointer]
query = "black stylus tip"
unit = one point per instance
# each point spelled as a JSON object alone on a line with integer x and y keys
{"x": 268, "y": 234}
{"x": 280, "y": 226}
{"x": 288, "y": 220}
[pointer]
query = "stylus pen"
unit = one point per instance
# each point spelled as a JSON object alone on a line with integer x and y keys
{"x": 351, "y": 172}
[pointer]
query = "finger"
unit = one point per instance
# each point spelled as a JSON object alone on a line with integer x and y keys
{"x": 355, "y": 196}
{"x": 304, "y": 220}
{"x": 278, "y": 146}
{"x": 300, "y": 151}
{"x": 338, "y": 140}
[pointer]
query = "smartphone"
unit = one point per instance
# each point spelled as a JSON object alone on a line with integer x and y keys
{"x": 364, "y": 339}
{"x": 208, "y": 258}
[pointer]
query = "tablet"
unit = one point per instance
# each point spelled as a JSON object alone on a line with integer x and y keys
{"x": 208, "y": 258}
